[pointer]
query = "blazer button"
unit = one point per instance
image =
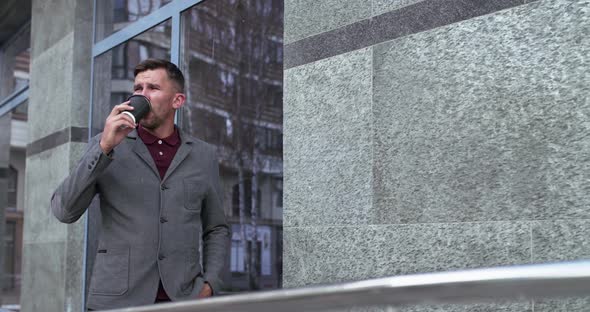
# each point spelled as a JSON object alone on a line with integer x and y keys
{"x": 89, "y": 167}
{"x": 163, "y": 187}
{"x": 161, "y": 257}
{"x": 163, "y": 220}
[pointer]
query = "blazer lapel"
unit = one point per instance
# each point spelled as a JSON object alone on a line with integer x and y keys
{"x": 183, "y": 151}
{"x": 141, "y": 150}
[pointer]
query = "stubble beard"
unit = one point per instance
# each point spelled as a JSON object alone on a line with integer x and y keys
{"x": 152, "y": 123}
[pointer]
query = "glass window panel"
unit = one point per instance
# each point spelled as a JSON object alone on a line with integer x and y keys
{"x": 9, "y": 247}
{"x": 113, "y": 15}
{"x": 14, "y": 75}
{"x": 113, "y": 84}
{"x": 113, "y": 70}
{"x": 232, "y": 57}
{"x": 12, "y": 187}
{"x": 13, "y": 207}
{"x": 20, "y": 112}
{"x": 22, "y": 64}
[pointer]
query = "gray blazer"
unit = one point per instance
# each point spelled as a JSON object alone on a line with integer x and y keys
{"x": 151, "y": 228}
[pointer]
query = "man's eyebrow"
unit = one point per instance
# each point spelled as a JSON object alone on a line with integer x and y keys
{"x": 151, "y": 85}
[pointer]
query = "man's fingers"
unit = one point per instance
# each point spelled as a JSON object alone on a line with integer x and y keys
{"x": 122, "y": 122}
{"x": 126, "y": 117}
{"x": 117, "y": 126}
{"x": 117, "y": 109}
{"x": 128, "y": 124}
{"x": 118, "y": 117}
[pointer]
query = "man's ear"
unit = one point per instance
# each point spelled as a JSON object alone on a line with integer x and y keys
{"x": 179, "y": 99}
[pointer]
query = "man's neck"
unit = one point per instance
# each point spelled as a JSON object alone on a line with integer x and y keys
{"x": 161, "y": 132}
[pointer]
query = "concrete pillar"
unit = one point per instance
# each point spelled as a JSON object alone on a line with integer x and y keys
{"x": 58, "y": 118}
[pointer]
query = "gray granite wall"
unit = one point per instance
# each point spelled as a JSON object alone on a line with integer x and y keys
{"x": 53, "y": 253}
{"x": 305, "y": 18}
{"x": 452, "y": 146}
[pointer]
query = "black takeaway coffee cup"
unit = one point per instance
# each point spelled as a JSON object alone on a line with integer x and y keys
{"x": 141, "y": 105}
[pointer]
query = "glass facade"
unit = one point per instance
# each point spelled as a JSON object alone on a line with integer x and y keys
{"x": 114, "y": 15}
{"x": 231, "y": 53}
{"x": 14, "y": 78}
{"x": 113, "y": 70}
{"x": 112, "y": 85}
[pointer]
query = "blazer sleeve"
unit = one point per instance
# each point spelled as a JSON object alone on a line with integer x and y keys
{"x": 74, "y": 194}
{"x": 216, "y": 233}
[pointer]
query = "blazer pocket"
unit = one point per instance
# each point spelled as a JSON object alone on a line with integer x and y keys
{"x": 194, "y": 193}
{"x": 110, "y": 275}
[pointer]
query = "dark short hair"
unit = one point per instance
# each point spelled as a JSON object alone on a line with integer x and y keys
{"x": 172, "y": 70}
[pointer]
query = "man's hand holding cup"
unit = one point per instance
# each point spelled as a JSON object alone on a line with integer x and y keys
{"x": 122, "y": 120}
{"x": 116, "y": 127}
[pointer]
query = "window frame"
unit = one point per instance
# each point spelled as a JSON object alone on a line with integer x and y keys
{"x": 15, "y": 99}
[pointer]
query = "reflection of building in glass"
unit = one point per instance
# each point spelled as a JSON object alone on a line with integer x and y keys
{"x": 14, "y": 78}
{"x": 234, "y": 57}
{"x": 232, "y": 60}
{"x": 129, "y": 54}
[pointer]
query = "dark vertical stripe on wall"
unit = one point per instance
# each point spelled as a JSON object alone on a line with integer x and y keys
{"x": 71, "y": 134}
{"x": 419, "y": 17}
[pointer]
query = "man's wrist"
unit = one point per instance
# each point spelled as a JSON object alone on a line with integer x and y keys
{"x": 106, "y": 150}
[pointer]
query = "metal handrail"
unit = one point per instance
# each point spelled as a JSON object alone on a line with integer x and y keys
{"x": 467, "y": 286}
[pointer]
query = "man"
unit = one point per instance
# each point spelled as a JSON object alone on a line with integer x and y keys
{"x": 159, "y": 189}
